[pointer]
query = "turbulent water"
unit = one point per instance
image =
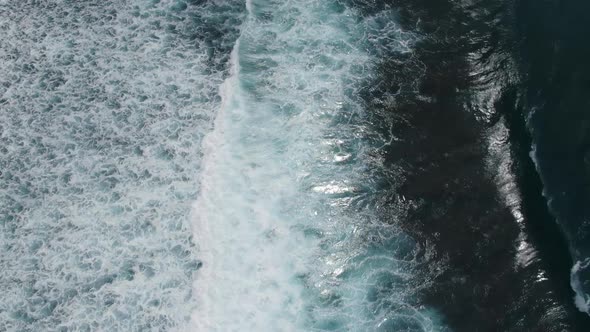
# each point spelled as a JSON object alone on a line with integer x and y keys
{"x": 285, "y": 223}
{"x": 296, "y": 165}
{"x": 103, "y": 110}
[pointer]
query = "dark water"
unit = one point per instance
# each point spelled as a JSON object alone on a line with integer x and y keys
{"x": 555, "y": 59}
{"x": 490, "y": 80}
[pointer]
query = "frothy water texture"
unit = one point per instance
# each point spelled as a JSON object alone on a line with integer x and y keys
{"x": 284, "y": 223}
{"x": 103, "y": 106}
{"x": 112, "y": 199}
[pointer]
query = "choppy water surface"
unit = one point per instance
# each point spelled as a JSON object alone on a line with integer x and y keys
{"x": 286, "y": 218}
{"x": 297, "y": 165}
{"x": 104, "y": 108}
{"x": 102, "y": 112}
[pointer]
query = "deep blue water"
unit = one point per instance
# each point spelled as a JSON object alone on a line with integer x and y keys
{"x": 557, "y": 103}
{"x": 492, "y": 151}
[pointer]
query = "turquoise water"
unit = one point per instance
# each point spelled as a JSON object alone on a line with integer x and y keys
{"x": 284, "y": 223}
{"x": 205, "y": 166}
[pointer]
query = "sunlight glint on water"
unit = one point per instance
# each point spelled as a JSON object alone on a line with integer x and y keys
{"x": 103, "y": 110}
{"x": 285, "y": 239}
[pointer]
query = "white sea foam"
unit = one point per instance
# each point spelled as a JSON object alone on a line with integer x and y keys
{"x": 103, "y": 105}
{"x": 103, "y": 110}
{"x": 286, "y": 238}
{"x": 581, "y": 299}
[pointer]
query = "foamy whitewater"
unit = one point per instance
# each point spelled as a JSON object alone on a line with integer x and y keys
{"x": 196, "y": 166}
{"x": 283, "y": 223}
{"x": 103, "y": 106}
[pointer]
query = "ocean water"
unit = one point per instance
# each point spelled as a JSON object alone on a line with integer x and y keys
{"x": 285, "y": 221}
{"x": 145, "y": 140}
{"x": 557, "y": 117}
{"x": 295, "y": 165}
{"x": 104, "y": 108}
{"x": 458, "y": 112}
